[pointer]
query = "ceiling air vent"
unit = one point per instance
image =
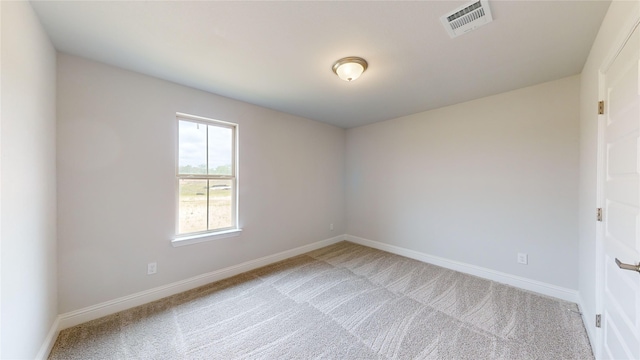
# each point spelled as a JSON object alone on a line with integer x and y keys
{"x": 467, "y": 18}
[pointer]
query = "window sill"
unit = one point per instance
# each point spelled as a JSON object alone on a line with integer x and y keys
{"x": 188, "y": 240}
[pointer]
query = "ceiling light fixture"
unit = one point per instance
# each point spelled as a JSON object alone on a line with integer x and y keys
{"x": 350, "y": 68}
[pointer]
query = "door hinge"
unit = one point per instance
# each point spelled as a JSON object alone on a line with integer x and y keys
{"x": 601, "y": 107}
{"x": 598, "y": 320}
{"x": 599, "y": 214}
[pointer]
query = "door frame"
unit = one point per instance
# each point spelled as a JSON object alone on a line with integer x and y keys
{"x": 630, "y": 25}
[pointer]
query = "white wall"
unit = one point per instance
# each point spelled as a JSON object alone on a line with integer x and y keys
{"x": 28, "y": 183}
{"x": 611, "y": 29}
{"x": 116, "y": 182}
{"x": 476, "y": 182}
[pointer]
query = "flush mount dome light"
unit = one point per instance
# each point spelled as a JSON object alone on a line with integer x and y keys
{"x": 350, "y": 68}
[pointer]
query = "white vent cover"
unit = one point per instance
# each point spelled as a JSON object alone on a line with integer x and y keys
{"x": 467, "y": 18}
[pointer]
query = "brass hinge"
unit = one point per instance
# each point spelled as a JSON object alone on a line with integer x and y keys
{"x": 601, "y": 107}
{"x": 598, "y": 320}
{"x": 599, "y": 214}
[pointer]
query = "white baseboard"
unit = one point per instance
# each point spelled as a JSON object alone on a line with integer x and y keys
{"x": 49, "y": 341}
{"x": 80, "y": 316}
{"x": 504, "y": 278}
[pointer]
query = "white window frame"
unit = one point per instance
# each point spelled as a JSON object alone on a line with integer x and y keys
{"x": 208, "y": 235}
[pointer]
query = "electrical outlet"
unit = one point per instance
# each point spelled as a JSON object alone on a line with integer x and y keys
{"x": 331, "y": 227}
{"x": 523, "y": 258}
{"x": 152, "y": 268}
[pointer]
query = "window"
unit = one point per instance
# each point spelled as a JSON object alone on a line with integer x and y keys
{"x": 206, "y": 177}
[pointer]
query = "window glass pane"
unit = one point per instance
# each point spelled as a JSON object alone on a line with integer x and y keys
{"x": 206, "y": 177}
{"x": 192, "y": 206}
{"x": 220, "y": 150}
{"x": 220, "y": 204}
{"x": 192, "y": 148}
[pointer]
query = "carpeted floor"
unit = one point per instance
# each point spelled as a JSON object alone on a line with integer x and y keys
{"x": 344, "y": 301}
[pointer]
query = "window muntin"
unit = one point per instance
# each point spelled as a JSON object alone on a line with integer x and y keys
{"x": 207, "y": 176}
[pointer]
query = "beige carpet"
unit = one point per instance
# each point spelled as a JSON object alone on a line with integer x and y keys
{"x": 344, "y": 301}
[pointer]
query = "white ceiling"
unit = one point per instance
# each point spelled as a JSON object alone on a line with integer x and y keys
{"x": 279, "y": 54}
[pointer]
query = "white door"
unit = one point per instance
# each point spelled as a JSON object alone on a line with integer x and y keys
{"x": 621, "y": 202}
